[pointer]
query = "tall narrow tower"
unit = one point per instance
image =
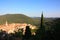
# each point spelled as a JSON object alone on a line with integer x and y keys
{"x": 6, "y": 23}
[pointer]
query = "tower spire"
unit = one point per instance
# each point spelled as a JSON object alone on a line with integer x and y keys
{"x": 6, "y": 23}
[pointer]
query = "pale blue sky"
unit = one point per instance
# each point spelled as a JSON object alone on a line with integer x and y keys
{"x": 32, "y": 8}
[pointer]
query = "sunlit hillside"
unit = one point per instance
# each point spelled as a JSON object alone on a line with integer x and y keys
{"x": 17, "y": 18}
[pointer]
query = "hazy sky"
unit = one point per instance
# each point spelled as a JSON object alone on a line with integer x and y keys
{"x": 50, "y": 8}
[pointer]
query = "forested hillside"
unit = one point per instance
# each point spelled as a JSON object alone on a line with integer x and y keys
{"x": 16, "y": 18}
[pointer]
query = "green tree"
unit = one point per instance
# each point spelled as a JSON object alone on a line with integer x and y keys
{"x": 27, "y": 35}
{"x": 41, "y": 31}
{"x": 56, "y": 29}
{"x": 19, "y": 34}
{"x": 54, "y": 33}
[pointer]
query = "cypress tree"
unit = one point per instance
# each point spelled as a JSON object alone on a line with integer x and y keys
{"x": 27, "y": 35}
{"x": 42, "y": 20}
{"x": 41, "y": 31}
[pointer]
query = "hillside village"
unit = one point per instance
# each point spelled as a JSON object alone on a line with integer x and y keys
{"x": 10, "y": 28}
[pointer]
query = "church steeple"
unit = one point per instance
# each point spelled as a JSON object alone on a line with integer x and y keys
{"x": 6, "y": 23}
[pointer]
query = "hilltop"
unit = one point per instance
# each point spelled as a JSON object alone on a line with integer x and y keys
{"x": 17, "y": 18}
